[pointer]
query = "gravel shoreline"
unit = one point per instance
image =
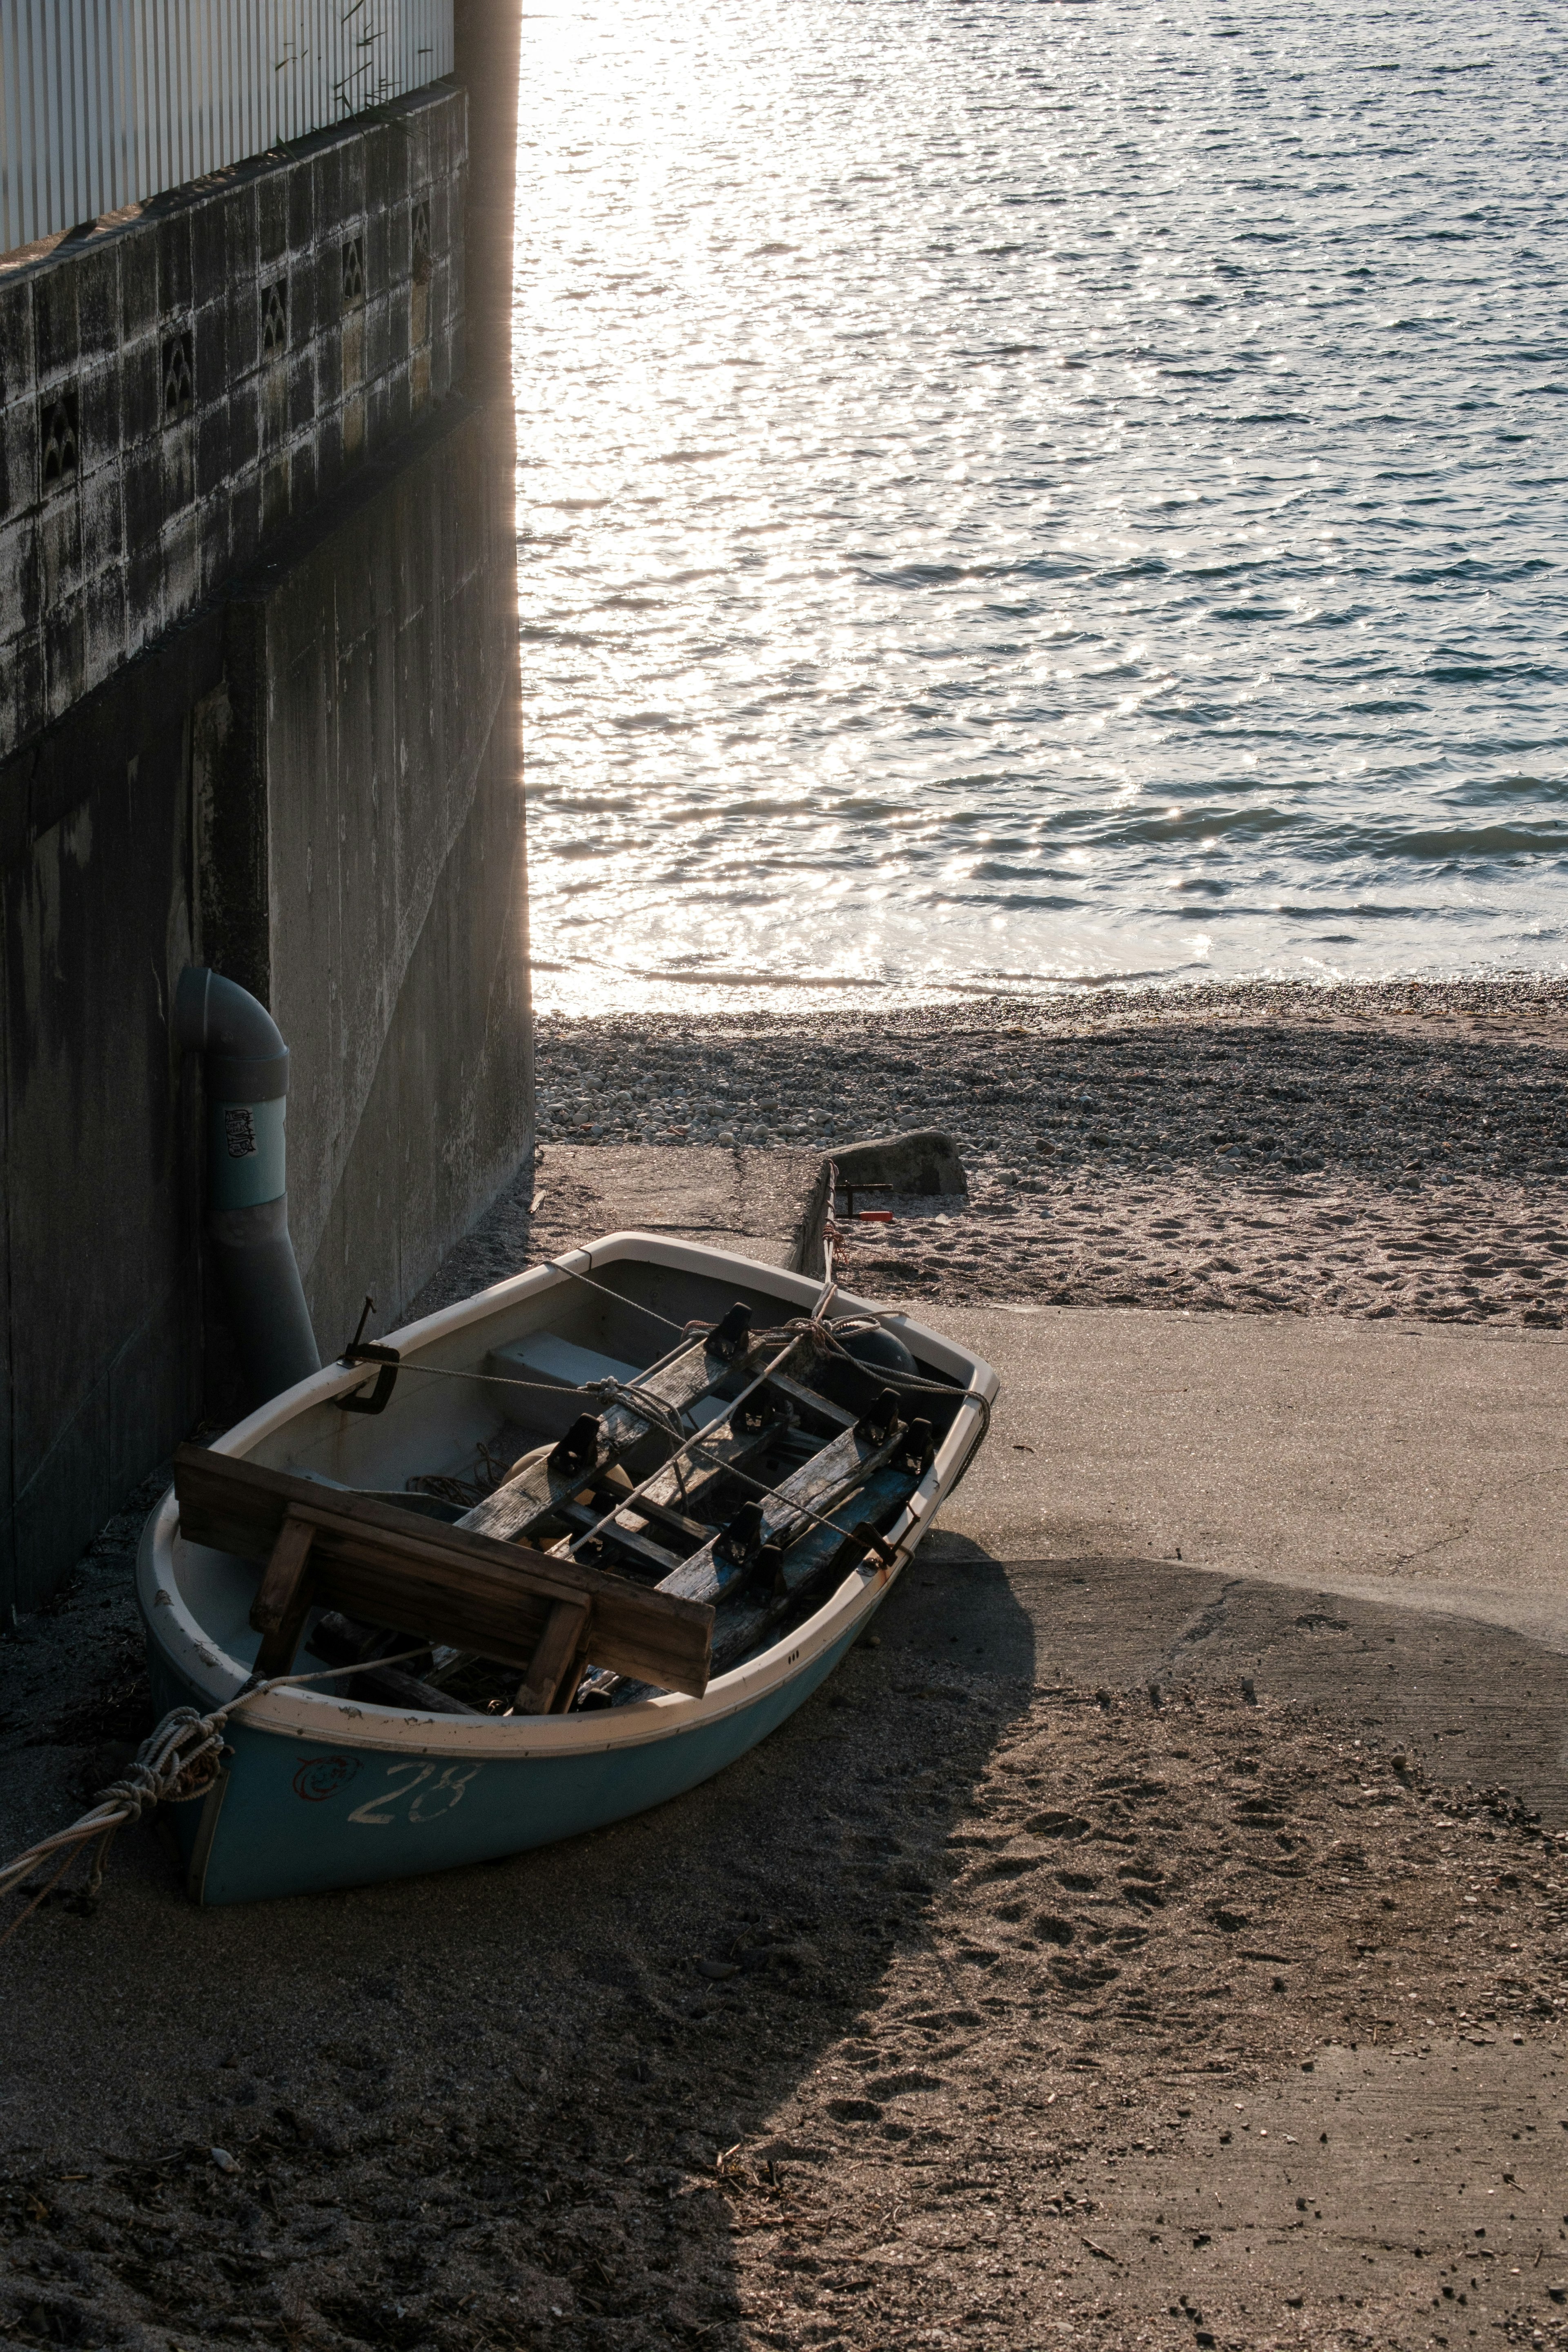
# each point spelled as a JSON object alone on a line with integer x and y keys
{"x": 1392, "y": 1150}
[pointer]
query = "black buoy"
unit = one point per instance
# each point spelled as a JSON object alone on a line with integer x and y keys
{"x": 876, "y": 1357}
{"x": 884, "y": 1350}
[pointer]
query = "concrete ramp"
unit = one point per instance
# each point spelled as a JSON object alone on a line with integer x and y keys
{"x": 1413, "y": 1463}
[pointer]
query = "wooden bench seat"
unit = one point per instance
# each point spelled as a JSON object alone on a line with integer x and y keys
{"x": 543, "y": 1613}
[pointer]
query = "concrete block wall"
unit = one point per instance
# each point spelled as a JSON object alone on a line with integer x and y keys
{"x": 100, "y": 1307}
{"x": 180, "y": 381}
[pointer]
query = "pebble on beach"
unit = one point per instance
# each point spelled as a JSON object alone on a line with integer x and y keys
{"x": 1397, "y": 1150}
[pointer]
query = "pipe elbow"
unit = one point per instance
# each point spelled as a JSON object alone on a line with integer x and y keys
{"x": 246, "y": 1089}
{"x": 248, "y": 1060}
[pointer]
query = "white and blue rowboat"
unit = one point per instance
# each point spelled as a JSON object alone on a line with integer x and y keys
{"x": 651, "y": 1437}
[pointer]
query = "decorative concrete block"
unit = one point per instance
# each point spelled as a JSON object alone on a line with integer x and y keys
{"x": 18, "y": 570}
{"x": 98, "y": 305}
{"x": 103, "y": 619}
{"x": 98, "y": 399}
{"x": 138, "y": 310}
{"x": 171, "y": 233}
{"x": 189, "y": 346}
{"x": 102, "y": 519}
{"x": 140, "y": 375}
{"x": 19, "y": 364}
{"x": 273, "y": 238}
{"x": 59, "y": 550}
{"x": 18, "y": 469}
{"x": 65, "y": 651}
{"x": 209, "y": 331}
{"x": 22, "y": 685}
{"x": 55, "y": 340}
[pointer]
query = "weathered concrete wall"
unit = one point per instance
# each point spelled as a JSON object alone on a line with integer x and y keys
{"x": 100, "y": 1341}
{"x": 384, "y": 737}
{"x": 325, "y": 801}
{"x": 179, "y": 381}
{"x": 258, "y": 708}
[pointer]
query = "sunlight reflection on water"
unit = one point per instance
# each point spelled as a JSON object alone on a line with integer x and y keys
{"x": 1016, "y": 493}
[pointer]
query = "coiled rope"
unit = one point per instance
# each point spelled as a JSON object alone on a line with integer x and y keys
{"x": 176, "y": 1764}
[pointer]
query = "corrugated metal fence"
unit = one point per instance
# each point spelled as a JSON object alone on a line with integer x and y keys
{"x": 105, "y": 102}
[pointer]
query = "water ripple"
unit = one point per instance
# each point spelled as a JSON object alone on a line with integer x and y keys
{"x": 1017, "y": 494}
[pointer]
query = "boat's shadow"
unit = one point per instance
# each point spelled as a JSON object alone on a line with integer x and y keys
{"x": 560, "y": 2083}
{"x": 697, "y": 1965}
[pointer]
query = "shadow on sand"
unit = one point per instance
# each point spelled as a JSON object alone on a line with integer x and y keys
{"x": 491, "y": 2108}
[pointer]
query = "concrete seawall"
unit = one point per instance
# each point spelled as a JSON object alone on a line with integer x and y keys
{"x": 363, "y": 748}
{"x": 258, "y": 708}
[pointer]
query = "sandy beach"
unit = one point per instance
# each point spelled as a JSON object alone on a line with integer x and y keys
{"x": 984, "y": 2005}
{"x": 1105, "y": 1957}
{"x": 1365, "y": 1151}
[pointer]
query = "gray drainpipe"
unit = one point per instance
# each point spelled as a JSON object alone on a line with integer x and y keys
{"x": 246, "y": 1091}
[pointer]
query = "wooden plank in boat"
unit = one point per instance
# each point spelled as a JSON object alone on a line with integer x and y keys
{"x": 339, "y": 1641}
{"x": 539, "y": 1492}
{"x": 649, "y": 1507}
{"x": 704, "y": 1467}
{"x": 283, "y": 1599}
{"x": 817, "y": 1486}
{"x": 813, "y": 1400}
{"x": 400, "y": 1568}
{"x": 816, "y": 1557}
{"x": 544, "y": 1689}
{"x": 623, "y": 1530}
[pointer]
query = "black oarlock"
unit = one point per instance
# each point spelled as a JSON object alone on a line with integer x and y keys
{"x": 361, "y": 1350}
{"x": 879, "y": 1419}
{"x": 920, "y": 1447}
{"x": 761, "y": 1411}
{"x": 728, "y": 1339}
{"x": 768, "y": 1569}
{"x": 578, "y": 1450}
{"x": 741, "y": 1539}
{"x": 864, "y": 1534}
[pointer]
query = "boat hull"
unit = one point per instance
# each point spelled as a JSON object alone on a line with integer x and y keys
{"x": 319, "y": 1789}
{"x": 291, "y": 1816}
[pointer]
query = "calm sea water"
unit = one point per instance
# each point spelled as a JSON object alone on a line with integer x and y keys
{"x": 1021, "y": 492}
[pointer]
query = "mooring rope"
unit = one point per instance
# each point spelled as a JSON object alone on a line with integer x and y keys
{"x": 176, "y": 1764}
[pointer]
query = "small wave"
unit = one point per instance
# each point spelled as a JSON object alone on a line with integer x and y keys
{"x": 1480, "y": 841}
{"x": 1507, "y": 788}
{"x": 741, "y": 979}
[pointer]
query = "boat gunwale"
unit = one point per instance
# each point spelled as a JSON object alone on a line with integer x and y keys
{"x": 322, "y": 1715}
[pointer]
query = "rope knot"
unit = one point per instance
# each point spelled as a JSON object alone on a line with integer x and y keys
{"x": 138, "y": 1787}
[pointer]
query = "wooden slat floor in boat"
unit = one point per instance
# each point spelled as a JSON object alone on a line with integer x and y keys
{"x": 540, "y": 1492}
{"x": 816, "y": 1487}
{"x": 741, "y": 1625}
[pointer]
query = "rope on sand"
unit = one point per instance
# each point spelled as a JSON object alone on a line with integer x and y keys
{"x": 176, "y": 1764}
